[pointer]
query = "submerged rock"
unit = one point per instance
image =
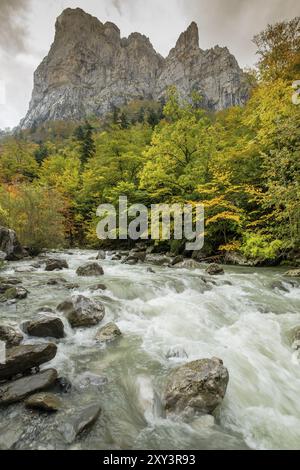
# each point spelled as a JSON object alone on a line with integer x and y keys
{"x": 81, "y": 311}
{"x": 56, "y": 265}
{"x": 17, "y": 390}
{"x": 10, "y": 335}
{"x": 44, "y": 402}
{"x": 45, "y": 327}
{"x": 20, "y": 359}
{"x": 90, "y": 269}
{"x": 108, "y": 333}
{"x": 63, "y": 385}
{"x": 214, "y": 269}
{"x": 81, "y": 421}
{"x": 97, "y": 287}
{"x": 199, "y": 386}
{"x": 293, "y": 273}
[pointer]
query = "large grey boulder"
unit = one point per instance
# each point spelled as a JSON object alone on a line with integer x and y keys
{"x": 90, "y": 269}
{"x": 81, "y": 311}
{"x": 199, "y": 386}
{"x": 20, "y": 359}
{"x": 82, "y": 420}
{"x": 56, "y": 265}
{"x": 108, "y": 333}
{"x": 10, "y": 245}
{"x": 12, "y": 392}
{"x": 11, "y": 335}
{"x": 45, "y": 327}
{"x": 44, "y": 402}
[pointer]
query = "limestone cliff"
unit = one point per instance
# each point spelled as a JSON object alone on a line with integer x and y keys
{"x": 90, "y": 69}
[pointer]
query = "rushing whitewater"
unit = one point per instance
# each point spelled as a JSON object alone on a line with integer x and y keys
{"x": 167, "y": 318}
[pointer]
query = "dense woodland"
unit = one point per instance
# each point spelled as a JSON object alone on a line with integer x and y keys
{"x": 243, "y": 164}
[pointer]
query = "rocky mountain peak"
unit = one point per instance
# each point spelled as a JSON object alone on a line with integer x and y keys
{"x": 90, "y": 70}
{"x": 189, "y": 39}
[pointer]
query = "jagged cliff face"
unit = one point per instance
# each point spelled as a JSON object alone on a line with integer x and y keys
{"x": 90, "y": 69}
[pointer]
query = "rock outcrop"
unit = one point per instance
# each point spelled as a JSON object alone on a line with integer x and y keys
{"x": 90, "y": 70}
{"x": 10, "y": 245}
{"x": 82, "y": 312}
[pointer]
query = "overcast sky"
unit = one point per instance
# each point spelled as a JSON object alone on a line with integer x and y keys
{"x": 27, "y": 31}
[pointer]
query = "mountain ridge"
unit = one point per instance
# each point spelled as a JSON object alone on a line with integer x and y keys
{"x": 90, "y": 69}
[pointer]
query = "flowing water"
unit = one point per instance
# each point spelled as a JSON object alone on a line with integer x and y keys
{"x": 168, "y": 318}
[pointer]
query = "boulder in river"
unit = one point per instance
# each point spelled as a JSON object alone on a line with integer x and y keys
{"x": 20, "y": 359}
{"x": 199, "y": 386}
{"x": 97, "y": 287}
{"x": 214, "y": 270}
{"x": 43, "y": 402}
{"x": 10, "y": 335}
{"x": 90, "y": 269}
{"x": 101, "y": 255}
{"x": 10, "y": 245}
{"x": 138, "y": 256}
{"x": 177, "y": 259}
{"x": 15, "y": 293}
{"x": 84, "y": 419}
{"x": 293, "y": 273}
{"x": 44, "y": 327}
{"x": 108, "y": 333}
{"x": 188, "y": 264}
{"x": 17, "y": 390}
{"x": 81, "y": 311}
{"x": 56, "y": 265}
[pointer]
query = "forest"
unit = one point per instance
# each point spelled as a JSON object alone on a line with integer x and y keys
{"x": 242, "y": 164}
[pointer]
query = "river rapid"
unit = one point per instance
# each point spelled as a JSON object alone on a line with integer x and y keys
{"x": 167, "y": 318}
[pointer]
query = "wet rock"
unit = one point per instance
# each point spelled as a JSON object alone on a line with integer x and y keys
{"x": 188, "y": 264}
{"x": 293, "y": 273}
{"x": 15, "y": 293}
{"x": 81, "y": 421}
{"x": 56, "y": 265}
{"x": 45, "y": 327}
{"x": 63, "y": 385}
{"x": 10, "y": 245}
{"x": 158, "y": 260}
{"x": 131, "y": 262}
{"x": 279, "y": 285}
{"x": 214, "y": 270}
{"x": 10, "y": 335}
{"x": 116, "y": 258}
{"x": 81, "y": 311}
{"x": 177, "y": 259}
{"x": 97, "y": 287}
{"x": 2, "y": 256}
{"x": 294, "y": 335}
{"x": 43, "y": 402}
{"x": 17, "y": 390}
{"x": 101, "y": 255}
{"x": 72, "y": 286}
{"x": 20, "y": 359}
{"x": 90, "y": 269}
{"x": 87, "y": 379}
{"x": 150, "y": 270}
{"x": 138, "y": 256}
{"x": 200, "y": 385}
{"x": 56, "y": 281}
{"x": 10, "y": 434}
{"x": 108, "y": 333}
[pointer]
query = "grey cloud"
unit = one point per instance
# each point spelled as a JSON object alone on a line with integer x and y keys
{"x": 12, "y": 25}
